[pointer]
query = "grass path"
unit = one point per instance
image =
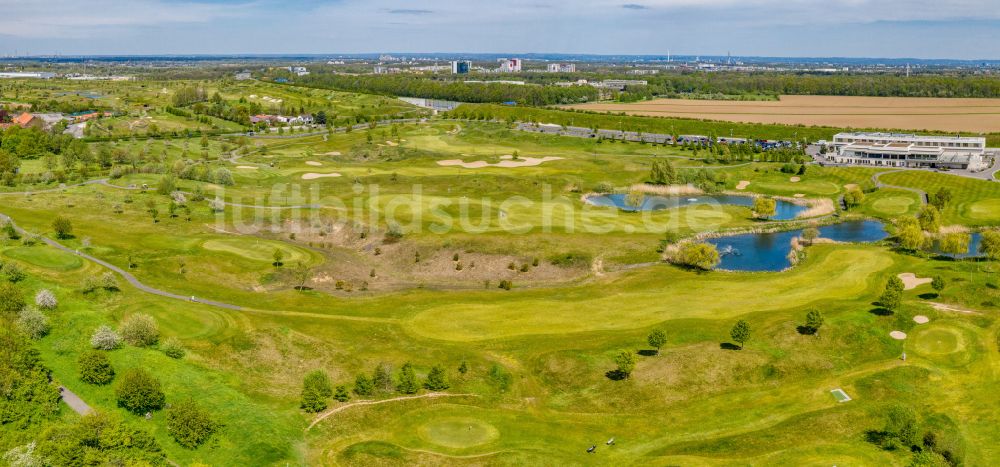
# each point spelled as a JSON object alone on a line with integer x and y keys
{"x": 430, "y": 395}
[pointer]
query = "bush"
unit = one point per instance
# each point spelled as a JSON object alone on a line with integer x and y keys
{"x": 13, "y": 272}
{"x": 138, "y": 392}
{"x": 109, "y": 282}
{"x": 341, "y": 394}
{"x": 62, "y": 227}
{"x": 105, "y": 338}
{"x": 46, "y": 300}
{"x": 190, "y": 425}
{"x": 95, "y": 368}
{"x": 697, "y": 255}
{"x": 11, "y": 300}
{"x": 315, "y": 391}
{"x": 437, "y": 380}
{"x": 173, "y": 348}
{"x": 140, "y": 330}
{"x": 32, "y": 323}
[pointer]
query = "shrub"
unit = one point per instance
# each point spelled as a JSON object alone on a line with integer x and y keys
{"x": 109, "y": 282}
{"x": 407, "y": 380}
{"x": 140, "y": 330}
{"x": 13, "y": 272}
{"x": 173, "y": 348}
{"x": 138, "y": 392}
{"x": 11, "y": 300}
{"x": 363, "y": 386}
{"x": 571, "y": 259}
{"x": 46, "y": 300}
{"x": 341, "y": 394}
{"x": 697, "y": 255}
{"x": 95, "y": 368}
{"x": 105, "y": 338}
{"x": 90, "y": 284}
{"x": 190, "y": 425}
{"x": 437, "y": 380}
{"x": 32, "y": 323}
{"x": 62, "y": 227}
{"x": 315, "y": 391}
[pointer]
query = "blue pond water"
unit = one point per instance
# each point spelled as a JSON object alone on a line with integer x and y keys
{"x": 783, "y": 210}
{"x": 769, "y": 251}
{"x": 974, "y": 241}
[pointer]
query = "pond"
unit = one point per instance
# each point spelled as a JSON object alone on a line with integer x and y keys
{"x": 975, "y": 239}
{"x": 784, "y": 210}
{"x": 769, "y": 251}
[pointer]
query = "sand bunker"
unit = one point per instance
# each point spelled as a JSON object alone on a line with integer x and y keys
{"x": 391, "y": 143}
{"x": 248, "y": 167}
{"x": 522, "y": 162}
{"x": 331, "y": 153}
{"x": 743, "y": 185}
{"x": 794, "y": 179}
{"x": 850, "y": 186}
{"x": 898, "y": 335}
{"x": 313, "y": 176}
{"x": 921, "y": 319}
{"x": 911, "y": 281}
{"x": 314, "y": 163}
{"x": 799, "y": 195}
{"x": 943, "y": 307}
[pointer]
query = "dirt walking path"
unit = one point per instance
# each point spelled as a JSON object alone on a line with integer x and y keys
{"x": 430, "y": 395}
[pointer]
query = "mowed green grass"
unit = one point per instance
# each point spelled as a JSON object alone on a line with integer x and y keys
{"x": 49, "y": 258}
{"x": 974, "y": 202}
{"x": 888, "y": 203}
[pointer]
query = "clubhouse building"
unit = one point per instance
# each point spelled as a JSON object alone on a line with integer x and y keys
{"x": 906, "y": 150}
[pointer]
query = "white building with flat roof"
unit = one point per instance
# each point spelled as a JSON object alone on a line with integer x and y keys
{"x": 561, "y": 68}
{"x": 908, "y": 150}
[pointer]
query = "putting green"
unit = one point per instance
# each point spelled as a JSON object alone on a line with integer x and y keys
{"x": 987, "y": 209}
{"x": 893, "y": 205}
{"x": 458, "y": 433}
{"x": 49, "y": 258}
{"x": 256, "y": 249}
{"x": 938, "y": 340}
{"x": 651, "y": 296}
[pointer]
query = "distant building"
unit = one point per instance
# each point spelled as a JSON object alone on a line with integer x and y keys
{"x": 907, "y": 150}
{"x": 561, "y": 68}
{"x": 619, "y": 84}
{"x": 243, "y": 76}
{"x": 510, "y": 65}
{"x": 27, "y": 74}
{"x": 461, "y": 67}
{"x": 26, "y": 120}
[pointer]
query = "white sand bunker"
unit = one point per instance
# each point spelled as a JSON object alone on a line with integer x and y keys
{"x": 794, "y": 179}
{"x": 743, "y": 184}
{"x": 898, "y": 335}
{"x": 247, "y": 167}
{"x": 314, "y": 176}
{"x": 911, "y": 281}
{"x": 799, "y": 195}
{"x": 850, "y": 186}
{"x": 314, "y": 163}
{"x": 391, "y": 143}
{"x": 331, "y": 153}
{"x": 921, "y": 319}
{"x": 508, "y": 163}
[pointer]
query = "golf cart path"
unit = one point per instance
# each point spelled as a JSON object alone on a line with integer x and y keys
{"x": 430, "y": 395}
{"x": 74, "y": 402}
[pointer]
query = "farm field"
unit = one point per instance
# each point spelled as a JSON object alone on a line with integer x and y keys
{"x": 969, "y": 116}
{"x": 370, "y": 252}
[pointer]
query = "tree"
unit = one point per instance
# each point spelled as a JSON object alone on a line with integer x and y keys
{"x": 105, "y": 338}
{"x": 382, "y": 378}
{"x": 32, "y": 323}
{"x": 46, "y": 300}
{"x": 109, "y": 282}
{"x": 463, "y": 368}
{"x": 892, "y": 296}
{"x": 278, "y": 256}
{"x": 302, "y": 274}
{"x": 363, "y": 386}
{"x": 626, "y": 361}
{"x": 910, "y": 235}
{"x": 437, "y": 380}
{"x": 407, "y": 380}
{"x": 190, "y": 424}
{"x": 901, "y": 424}
{"x": 140, "y": 330}
{"x": 941, "y": 198}
{"x": 938, "y": 284}
{"x": 341, "y": 394}
{"x": 316, "y": 390}
{"x": 63, "y": 227}
{"x": 11, "y": 299}
{"x": 173, "y": 348}
{"x": 697, "y": 255}
{"x": 13, "y": 272}
{"x": 138, "y": 392}
{"x": 814, "y": 320}
{"x": 10, "y": 230}
{"x": 810, "y": 234}
{"x": 95, "y": 368}
{"x": 955, "y": 244}
{"x": 854, "y": 197}
{"x": 656, "y": 339}
{"x": 930, "y": 219}
{"x": 763, "y": 207}
{"x": 740, "y": 333}
{"x": 989, "y": 244}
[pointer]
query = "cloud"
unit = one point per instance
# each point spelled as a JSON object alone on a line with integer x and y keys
{"x": 407, "y": 11}
{"x": 634, "y": 6}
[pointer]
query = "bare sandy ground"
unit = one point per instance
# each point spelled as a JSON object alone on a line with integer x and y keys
{"x": 314, "y": 176}
{"x": 799, "y": 195}
{"x": 911, "y": 281}
{"x": 898, "y": 335}
{"x": 392, "y": 143}
{"x": 795, "y": 179}
{"x": 743, "y": 185}
{"x": 921, "y": 319}
{"x": 850, "y": 186}
{"x": 943, "y": 307}
{"x": 331, "y": 153}
{"x": 314, "y": 163}
{"x": 945, "y": 114}
{"x": 506, "y": 163}
{"x": 248, "y": 167}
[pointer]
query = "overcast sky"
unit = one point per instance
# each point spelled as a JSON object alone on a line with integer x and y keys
{"x": 961, "y": 29}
